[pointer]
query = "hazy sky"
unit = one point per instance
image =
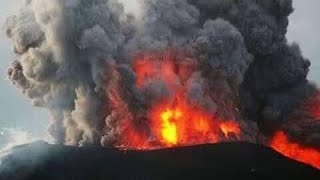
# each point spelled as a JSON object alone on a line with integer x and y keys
{"x": 17, "y": 113}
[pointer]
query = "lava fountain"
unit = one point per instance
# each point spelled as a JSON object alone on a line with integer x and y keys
{"x": 174, "y": 119}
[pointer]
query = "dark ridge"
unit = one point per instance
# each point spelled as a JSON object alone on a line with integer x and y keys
{"x": 41, "y": 161}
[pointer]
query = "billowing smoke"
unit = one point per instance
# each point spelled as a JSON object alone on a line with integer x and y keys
{"x": 64, "y": 49}
{"x": 81, "y": 60}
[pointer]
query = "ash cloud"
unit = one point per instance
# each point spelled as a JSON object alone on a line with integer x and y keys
{"x": 75, "y": 57}
{"x": 63, "y": 47}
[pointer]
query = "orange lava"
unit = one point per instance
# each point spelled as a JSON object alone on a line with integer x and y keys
{"x": 281, "y": 143}
{"x": 179, "y": 124}
{"x": 230, "y": 127}
{"x": 168, "y": 127}
{"x": 173, "y": 120}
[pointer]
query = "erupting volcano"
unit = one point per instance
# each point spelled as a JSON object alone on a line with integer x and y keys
{"x": 183, "y": 73}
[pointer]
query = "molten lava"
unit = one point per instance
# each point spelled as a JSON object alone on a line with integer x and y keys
{"x": 230, "y": 127}
{"x": 281, "y": 143}
{"x": 178, "y": 124}
{"x": 174, "y": 120}
{"x": 169, "y": 128}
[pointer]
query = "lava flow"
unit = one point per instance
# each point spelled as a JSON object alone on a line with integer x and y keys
{"x": 281, "y": 143}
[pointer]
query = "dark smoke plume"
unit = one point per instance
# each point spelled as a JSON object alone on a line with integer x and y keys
{"x": 74, "y": 57}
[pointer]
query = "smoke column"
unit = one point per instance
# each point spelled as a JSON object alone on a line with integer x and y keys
{"x": 230, "y": 58}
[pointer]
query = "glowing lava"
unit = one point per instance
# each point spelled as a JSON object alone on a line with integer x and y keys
{"x": 281, "y": 143}
{"x": 173, "y": 120}
{"x": 169, "y": 128}
{"x": 230, "y": 127}
{"x": 179, "y": 124}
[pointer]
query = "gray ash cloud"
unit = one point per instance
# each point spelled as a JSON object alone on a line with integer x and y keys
{"x": 74, "y": 57}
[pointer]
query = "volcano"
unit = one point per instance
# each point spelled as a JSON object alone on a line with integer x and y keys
{"x": 158, "y": 86}
{"x": 39, "y": 161}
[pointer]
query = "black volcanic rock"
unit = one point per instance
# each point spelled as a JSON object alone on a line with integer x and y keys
{"x": 41, "y": 161}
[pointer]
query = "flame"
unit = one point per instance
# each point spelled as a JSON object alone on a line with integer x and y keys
{"x": 169, "y": 128}
{"x": 173, "y": 120}
{"x": 230, "y": 127}
{"x": 281, "y": 143}
{"x": 179, "y": 124}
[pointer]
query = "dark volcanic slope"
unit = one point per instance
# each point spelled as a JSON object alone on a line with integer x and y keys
{"x": 222, "y": 161}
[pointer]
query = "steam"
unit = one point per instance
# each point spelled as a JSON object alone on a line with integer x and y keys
{"x": 76, "y": 57}
{"x": 14, "y": 137}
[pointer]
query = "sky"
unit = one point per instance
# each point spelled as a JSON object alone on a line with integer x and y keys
{"x": 20, "y": 122}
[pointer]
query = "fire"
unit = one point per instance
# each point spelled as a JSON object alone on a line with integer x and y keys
{"x": 281, "y": 143}
{"x": 178, "y": 124}
{"x": 174, "y": 120}
{"x": 230, "y": 127}
{"x": 169, "y": 128}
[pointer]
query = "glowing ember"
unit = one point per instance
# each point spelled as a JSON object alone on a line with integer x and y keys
{"x": 295, "y": 151}
{"x": 229, "y": 127}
